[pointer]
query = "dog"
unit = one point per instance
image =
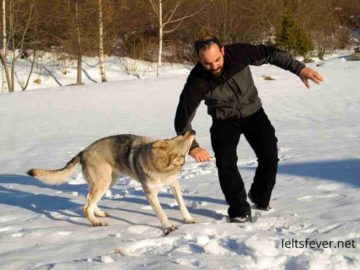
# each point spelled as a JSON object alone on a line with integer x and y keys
{"x": 152, "y": 163}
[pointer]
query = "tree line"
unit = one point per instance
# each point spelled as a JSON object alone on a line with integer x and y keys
{"x": 164, "y": 30}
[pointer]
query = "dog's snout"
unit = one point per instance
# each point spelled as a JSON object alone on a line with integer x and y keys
{"x": 190, "y": 132}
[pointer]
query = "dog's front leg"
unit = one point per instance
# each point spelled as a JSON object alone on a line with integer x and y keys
{"x": 155, "y": 204}
{"x": 176, "y": 190}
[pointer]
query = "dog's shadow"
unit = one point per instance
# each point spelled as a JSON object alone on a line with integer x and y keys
{"x": 138, "y": 197}
{"x": 61, "y": 207}
{"x": 35, "y": 200}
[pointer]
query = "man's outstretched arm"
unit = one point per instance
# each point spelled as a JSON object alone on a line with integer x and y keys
{"x": 261, "y": 54}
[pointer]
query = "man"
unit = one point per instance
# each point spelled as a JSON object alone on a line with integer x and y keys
{"x": 223, "y": 79}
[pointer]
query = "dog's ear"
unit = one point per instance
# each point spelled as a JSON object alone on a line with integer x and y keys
{"x": 160, "y": 144}
{"x": 178, "y": 160}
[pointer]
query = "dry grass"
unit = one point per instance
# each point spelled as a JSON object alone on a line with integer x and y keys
{"x": 267, "y": 78}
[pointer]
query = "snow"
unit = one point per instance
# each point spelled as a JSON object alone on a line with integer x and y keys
{"x": 316, "y": 196}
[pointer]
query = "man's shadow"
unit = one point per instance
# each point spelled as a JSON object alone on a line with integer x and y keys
{"x": 344, "y": 171}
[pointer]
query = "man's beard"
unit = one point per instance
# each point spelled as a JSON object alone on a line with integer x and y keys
{"x": 217, "y": 73}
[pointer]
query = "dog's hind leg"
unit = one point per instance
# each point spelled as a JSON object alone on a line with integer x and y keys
{"x": 100, "y": 213}
{"x": 99, "y": 181}
{"x": 155, "y": 204}
{"x": 97, "y": 211}
{"x": 176, "y": 190}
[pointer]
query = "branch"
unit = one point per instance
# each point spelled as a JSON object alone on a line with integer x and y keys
{"x": 172, "y": 12}
{"x": 32, "y": 7}
{"x": 187, "y": 16}
{"x": 23, "y": 88}
{"x": 175, "y": 28}
{"x": 156, "y": 9}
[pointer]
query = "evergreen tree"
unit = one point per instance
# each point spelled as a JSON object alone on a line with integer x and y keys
{"x": 292, "y": 37}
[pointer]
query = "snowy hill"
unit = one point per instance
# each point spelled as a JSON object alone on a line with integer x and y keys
{"x": 316, "y": 197}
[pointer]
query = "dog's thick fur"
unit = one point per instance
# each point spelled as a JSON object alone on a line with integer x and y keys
{"x": 152, "y": 163}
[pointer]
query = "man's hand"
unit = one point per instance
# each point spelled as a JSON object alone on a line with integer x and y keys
{"x": 200, "y": 154}
{"x": 310, "y": 74}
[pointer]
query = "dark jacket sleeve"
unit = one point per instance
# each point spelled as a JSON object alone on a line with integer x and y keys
{"x": 261, "y": 54}
{"x": 189, "y": 101}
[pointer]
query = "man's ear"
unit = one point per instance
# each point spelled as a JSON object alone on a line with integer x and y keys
{"x": 160, "y": 144}
{"x": 223, "y": 50}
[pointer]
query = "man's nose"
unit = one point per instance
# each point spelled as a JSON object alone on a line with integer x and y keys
{"x": 214, "y": 67}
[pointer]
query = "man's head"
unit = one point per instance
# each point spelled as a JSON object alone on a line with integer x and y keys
{"x": 211, "y": 54}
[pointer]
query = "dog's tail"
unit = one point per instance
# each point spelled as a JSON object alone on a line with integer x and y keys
{"x": 56, "y": 177}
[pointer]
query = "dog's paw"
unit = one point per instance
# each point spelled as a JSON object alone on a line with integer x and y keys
{"x": 169, "y": 229}
{"x": 100, "y": 224}
{"x": 190, "y": 221}
{"x": 102, "y": 214}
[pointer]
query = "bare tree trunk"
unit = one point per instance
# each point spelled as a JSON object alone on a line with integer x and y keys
{"x": 6, "y": 70}
{"x": 23, "y": 87}
{"x": 101, "y": 44}
{"x": 160, "y": 39}
{"x": 79, "y": 62}
{"x": 12, "y": 71}
{"x": 12, "y": 33}
{"x": 4, "y": 51}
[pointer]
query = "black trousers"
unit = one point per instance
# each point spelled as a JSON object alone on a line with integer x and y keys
{"x": 225, "y": 136}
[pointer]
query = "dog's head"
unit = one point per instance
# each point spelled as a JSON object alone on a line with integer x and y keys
{"x": 170, "y": 154}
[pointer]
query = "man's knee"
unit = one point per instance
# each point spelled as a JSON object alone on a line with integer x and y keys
{"x": 226, "y": 161}
{"x": 269, "y": 161}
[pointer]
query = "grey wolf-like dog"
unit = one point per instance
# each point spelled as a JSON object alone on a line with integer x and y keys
{"x": 152, "y": 163}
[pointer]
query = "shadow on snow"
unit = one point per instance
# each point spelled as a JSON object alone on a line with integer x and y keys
{"x": 342, "y": 171}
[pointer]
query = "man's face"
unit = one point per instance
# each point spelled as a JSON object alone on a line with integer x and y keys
{"x": 212, "y": 59}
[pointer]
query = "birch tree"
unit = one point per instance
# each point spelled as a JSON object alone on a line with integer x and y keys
{"x": 79, "y": 53}
{"x": 19, "y": 24}
{"x": 101, "y": 43}
{"x": 4, "y": 50}
{"x": 169, "y": 23}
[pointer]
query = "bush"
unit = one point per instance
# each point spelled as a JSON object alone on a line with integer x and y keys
{"x": 138, "y": 45}
{"x": 292, "y": 37}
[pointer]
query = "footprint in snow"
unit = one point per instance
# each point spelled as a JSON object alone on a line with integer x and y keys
{"x": 328, "y": 192}
{"x": 196, "y": 169}
{"x": 309, "y": 198}
{"x": 189, "y": 263}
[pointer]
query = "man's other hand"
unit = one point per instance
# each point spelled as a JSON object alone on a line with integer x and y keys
{"x": 310, "y": 74}
{"x": 200, "y": 154}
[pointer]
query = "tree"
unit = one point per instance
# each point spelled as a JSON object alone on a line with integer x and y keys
{"x": 20, "y": 20}
{"x": 4, "y": 51}
{"x": 79, "y": 53}
{"x": 101, "y": 44}
{"x": 169, "y": 20}
{"x": 291, "y": 36}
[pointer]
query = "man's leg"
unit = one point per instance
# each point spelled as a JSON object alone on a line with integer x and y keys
{"x": 224, "y": 139}
{"x": 261, "y": 136}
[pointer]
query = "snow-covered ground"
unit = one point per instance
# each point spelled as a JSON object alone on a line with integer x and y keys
{"x": 316, "y": 196}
